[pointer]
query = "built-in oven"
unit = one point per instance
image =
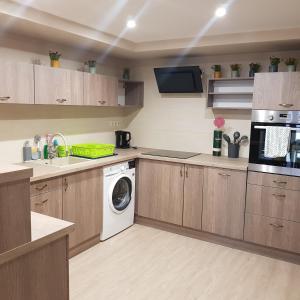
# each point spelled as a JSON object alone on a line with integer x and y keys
{"x": 266, "y": 121}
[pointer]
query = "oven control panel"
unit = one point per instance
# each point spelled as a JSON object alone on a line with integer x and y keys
{"x": 269, "y": 116}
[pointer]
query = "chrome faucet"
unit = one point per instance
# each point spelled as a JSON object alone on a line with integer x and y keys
{"x": 51, "y": 147}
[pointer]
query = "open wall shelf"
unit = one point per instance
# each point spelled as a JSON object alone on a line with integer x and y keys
{"x": 230, "y": 93}
{"x": 130, "y": 93}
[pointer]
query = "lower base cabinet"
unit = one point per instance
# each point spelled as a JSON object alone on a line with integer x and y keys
{"x": 224, "y": 202}
{"x": 160, "y": 190}
{"x": 272, "y": 232}
{"x": 82, "y": 205}
{"x": 76, "y": 198}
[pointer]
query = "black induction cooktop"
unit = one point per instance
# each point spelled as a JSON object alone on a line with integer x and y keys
{"x": 172, "y": 154}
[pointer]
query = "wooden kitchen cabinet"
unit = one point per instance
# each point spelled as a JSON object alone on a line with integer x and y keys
{"x": 17, "y": 83}
{"x": 58, "y": 86}
{"x": 224, "y": 202}
{"x": 160, "y": 190}
{"x": 100, "y": 90}
{"x": 46, "y": 197}
{"x": 277, "y": 91}
{"x": 193, "y": 197}
{"x": 82, "y": 205}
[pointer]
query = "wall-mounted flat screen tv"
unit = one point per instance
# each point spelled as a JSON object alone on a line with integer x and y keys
{"x": 179, "y": 79}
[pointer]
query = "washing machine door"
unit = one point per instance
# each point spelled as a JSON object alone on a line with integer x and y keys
{"x": 120, "y": 194}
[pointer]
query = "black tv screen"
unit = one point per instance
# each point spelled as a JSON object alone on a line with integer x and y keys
{"x": 179, "y": 79}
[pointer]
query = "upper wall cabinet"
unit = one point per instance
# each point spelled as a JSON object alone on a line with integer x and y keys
{"x": 58, "y": 86}
{"x": 100, "y": 90}
{"x": 277, "y": 91}
{"x": 16, "y": 83}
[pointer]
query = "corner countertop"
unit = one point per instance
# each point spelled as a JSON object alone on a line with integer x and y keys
{"x": 12, "y": 172}
{"x": 44, "y": 230}
{"x": 42, "y": 172}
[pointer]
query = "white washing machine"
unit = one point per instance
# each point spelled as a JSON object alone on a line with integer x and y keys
{"x": 118, "y": 198}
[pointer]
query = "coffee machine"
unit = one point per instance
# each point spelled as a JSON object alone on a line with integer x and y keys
{"x": 123, "y": 139}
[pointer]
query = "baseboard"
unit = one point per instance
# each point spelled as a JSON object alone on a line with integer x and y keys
{"x": 221, "y": 240}
{"x": 84, "y": 246}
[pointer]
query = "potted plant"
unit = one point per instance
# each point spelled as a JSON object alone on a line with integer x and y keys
{"x": 92, "y": 66}
{"x": 274, "y": 62}
{"x": 254, "y": 68}
{"x": 291, "y": 63}
{"x": 217, "y": 71}
{"x": 126, "y": 74}
{"x": 54, "y": 59}
{"x": 235, "y": 70}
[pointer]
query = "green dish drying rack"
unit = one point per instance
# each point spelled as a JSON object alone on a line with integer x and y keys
{"x": 93, "y": 150}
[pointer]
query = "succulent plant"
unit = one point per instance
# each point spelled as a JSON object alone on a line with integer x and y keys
{"x": 216, "y": 68}
{"x": 254, "y": 66}
{"x": 291, "y": 61}
{"x": 275, "y": 61}
{"x": 54, "y": 55}
{"x": 235, "y": 67}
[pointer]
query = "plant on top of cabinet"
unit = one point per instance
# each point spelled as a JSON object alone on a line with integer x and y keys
{"x": 54, "y": 59}
{"x": 254, "y": 68}
{"x": 217, "y": 71}
{"x": 274, "y": 62}
{"x": 92, "y": 66}
{"x": 291, "y": 64}
{"x": 126, "y": 74}
{"x": 235, "y": 70}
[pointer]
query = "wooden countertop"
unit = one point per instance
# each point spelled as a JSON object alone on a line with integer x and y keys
{"x": 12, "y": 172}
{"x": 41, "y": 172}
{"x": 44, "y": 230}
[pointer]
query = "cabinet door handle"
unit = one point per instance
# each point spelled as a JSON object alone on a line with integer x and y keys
{"x": 41, "y": 203}
{"x": 66, "y": 184}
{"x": 181, "y": 173}
{"x": 41, "y": 188}
{"x": 62, "y": 100}
{"x": 4, "y": 98}
{"x": 279, "y": 196}
{"x": 186, "y": 172}
{"x": 276, "y": 226}
{"x": 224, "y": 174}
{"x": 279, "y": 182}
{"x": 286, "y": 104}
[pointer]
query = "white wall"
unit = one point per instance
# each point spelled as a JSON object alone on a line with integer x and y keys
{"x": 183, "y": 122}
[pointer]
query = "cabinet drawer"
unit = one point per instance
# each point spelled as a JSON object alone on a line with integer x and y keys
{"x": 272, "y": 180}
{"x": 45, "y": 186}
{"x": 273, "y": 202}
{"x": 272, "y": 232}
{"x": 49, "y": 204}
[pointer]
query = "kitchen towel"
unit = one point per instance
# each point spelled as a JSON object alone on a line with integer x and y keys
{"x": 277, "y": 141}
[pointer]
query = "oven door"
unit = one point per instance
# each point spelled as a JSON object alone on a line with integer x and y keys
{"x": 287, "y": 165}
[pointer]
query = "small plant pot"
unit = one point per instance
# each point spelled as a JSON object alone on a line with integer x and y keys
{"x": 55, "y": 63}
{"x": 273, "y": 68}
{"x": 92, "y": 70}
{"x": 217, "y": 75}
{"x": 291, "y": 68}
{"x": 235, "y": 74}
{"x": 233, "y": 150}
{"x": 252, "y": 73}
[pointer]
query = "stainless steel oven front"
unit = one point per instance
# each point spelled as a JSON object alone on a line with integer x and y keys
{"x": 287, "y": 165}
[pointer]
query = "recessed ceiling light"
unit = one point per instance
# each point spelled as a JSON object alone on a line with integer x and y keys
{"x": 131, "y": 23}
{"x": 220, "y": 12}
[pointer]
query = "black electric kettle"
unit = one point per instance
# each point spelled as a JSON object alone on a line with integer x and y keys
{"x": 123, "y": 139}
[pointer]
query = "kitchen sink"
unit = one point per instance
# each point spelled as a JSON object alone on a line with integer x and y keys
{"x": 61, "y": 161}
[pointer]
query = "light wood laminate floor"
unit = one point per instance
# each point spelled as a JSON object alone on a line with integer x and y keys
{"x": 145, "y": 263}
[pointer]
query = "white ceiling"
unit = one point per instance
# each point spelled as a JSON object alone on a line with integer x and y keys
{"x": 173, "y": 19}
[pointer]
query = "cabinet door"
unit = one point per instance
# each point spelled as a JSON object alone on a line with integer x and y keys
{"x": 224, "y": 202}
{"x": 193, "y": 196}
{"x": 160, "y": 190}
{"x": 49, "y": 204}
{"x": 278, "y": 91}
{"x": 16, "y": 83}
{"x": 82, "y": 204}
{"x": 58, "y": 86}
{"x": 110, "y": 90}
{"x": 100, "y": 90}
